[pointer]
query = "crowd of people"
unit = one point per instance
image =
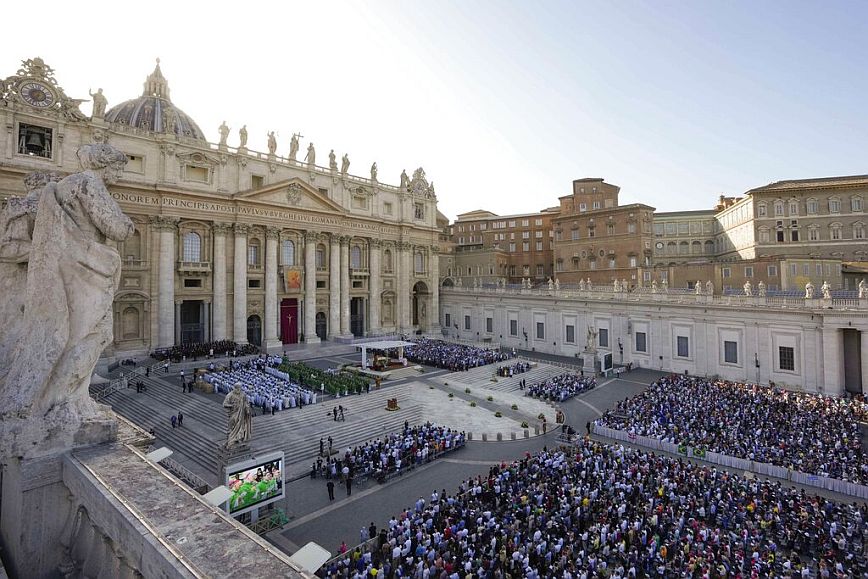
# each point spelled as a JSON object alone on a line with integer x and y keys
{"x": 513, "y": 369}
{"x": 810, "y": 433}
{"x": 453, "y": 357}
{"x": 607, "y": 511}
{"x": 264, "y": 386}
{"x": 562, "y": 387}
{"x": 413, "y": 446}
{"x": 203, "y": 350}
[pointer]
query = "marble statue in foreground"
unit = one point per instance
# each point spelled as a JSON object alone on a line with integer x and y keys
{"x": 240, "y": 417}
{"x": 66, "y": 276}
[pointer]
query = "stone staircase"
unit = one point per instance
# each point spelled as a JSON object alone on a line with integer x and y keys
{"x": 484, "y": 374}
{"x": 295, "y": 432}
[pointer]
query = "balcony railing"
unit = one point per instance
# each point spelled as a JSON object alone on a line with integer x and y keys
{"x": 194, "y": 266}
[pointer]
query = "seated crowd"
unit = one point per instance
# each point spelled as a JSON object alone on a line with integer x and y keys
{"x": 264, "y": 386}
{"x": 810, "y": 433}
{"x": 202, "y": 350}
{"x": 514, "y": 369}
{"x": 451, "y": 356}
{"x": 377, "y": 458}
{"x": 607, "y": 511}
{"x": 562, "y": 387}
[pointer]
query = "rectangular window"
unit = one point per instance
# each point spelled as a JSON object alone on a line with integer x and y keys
{"x": 583, "y": 207}
{"x": 537, "y": 222}
{"x": 633, "y": 261}
{"x": 360, "y": 202}
{"x": 813, "y": 206}
{"x": 448, "y": 320}
{"x": 253, "y": 255}
{"x": 611, "y": 263}
{"x": 192, "y": 283}
{"x": 631, "y": 227}
{"x": 525, "y": 246}
{"x": 513, "y": 327}
{"x": 574, "y": 234}
{"x": 641, "y": 344}
{"x": 646, "y": 276}
{"x": 253, "y": 283}
{"x": 387, "y": 208}
{"x": 320, "y": 258}
{"x": 539, "y": 245}
{"x": 525, "y": 234}
{"x": 610, "y": 229}
{"x": 597, "y": 205}
{"x": 682, "y": 347}
{"x": 748, "y": 271}
{"x": 197, "y": 174}
{"x": 540, "y": 331}
{"x": 512, "y": 247}
{"x": 761, "y": 210}
{"x": 525, "y": 222}
{"x": 603, "y": 337}
{"x": 538, "y": 234}
{"x": 466, "y": 322}
{"x": 256, "y": 181}
{"x": 540, "y": 270}
{"x": 773, "y": 271}
{"x": 834, "y": 206}
{"x": 571, "y": 334}
{"x": 489, "y": 325}
{"x": 726, "y": 272}
{"x": 512, "y": 223}
{"x": 787, "y": 358}
{"x": 135, "y": 164}
{"x": 419, "y": 211}
{"x": 794, "y": 235}
{"x": 320, "y": 284}
{"x": 730, "y": 352}
{"x": 590, "y": 231}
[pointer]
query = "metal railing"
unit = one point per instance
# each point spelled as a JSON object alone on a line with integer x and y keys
{"x": 123, "y": 381}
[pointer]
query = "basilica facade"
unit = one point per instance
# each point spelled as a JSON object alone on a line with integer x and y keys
{"x": 232, "y": 243}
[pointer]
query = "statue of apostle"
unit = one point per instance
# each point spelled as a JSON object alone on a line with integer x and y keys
{"x": 240, "y": 417}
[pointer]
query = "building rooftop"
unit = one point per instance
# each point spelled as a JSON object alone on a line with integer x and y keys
{"x": 821, "y": 182}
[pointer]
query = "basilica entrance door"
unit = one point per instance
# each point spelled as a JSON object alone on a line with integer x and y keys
{"x": 321, "y": 326}
{"x": 192, "y": 327}
{"x": 289, "y": 321}
{"x": 254, "y": 330}
{"x": 357, "y": 316}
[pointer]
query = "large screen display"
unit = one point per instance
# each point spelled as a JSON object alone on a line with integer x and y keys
{"x": 255, "y": 483}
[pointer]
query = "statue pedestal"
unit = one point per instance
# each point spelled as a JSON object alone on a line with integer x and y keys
{"x": 231, "y": 455}
{"x": 589, "y": 362}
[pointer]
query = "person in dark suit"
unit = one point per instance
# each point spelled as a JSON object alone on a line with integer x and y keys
{"x": 331, "y": 487}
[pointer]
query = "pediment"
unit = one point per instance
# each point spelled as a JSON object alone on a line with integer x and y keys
{"x": 293, "y": 193}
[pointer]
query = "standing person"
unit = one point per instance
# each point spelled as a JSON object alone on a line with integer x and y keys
{"x": 349, "y": 485}
{"x": 166, "y": 366}
{"x": 330, "y": 485}
{"x": 174, "y": 421}
{"x": 321, "y": 446}
{"x": 148, "y": 372}
{"x": 180, "y": 419}
{"x": 341, "y": 412}
{"x": 330, "y": 445}
{"x": 335, "y": 412}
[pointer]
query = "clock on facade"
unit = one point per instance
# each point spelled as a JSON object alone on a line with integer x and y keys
{"x": 659, "y": 245}
{"x": 36, "y": 94}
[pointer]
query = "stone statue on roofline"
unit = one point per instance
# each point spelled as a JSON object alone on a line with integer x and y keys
{"x": 551, "y": 284}
{"x": 345, "y": 164}
{"x": 809, "y": 290}
{"x": 653, "y": 286}
{"x": 827, "y": 290}
{"x": 761, "y": 289}
{"x": 272, "y": 143}
{"x": 242, "y": 136}
{"x": 748, "y": 290}
{"x": 581, "y": 285}
{"x": 557, "y": 285}
{"x": 224, "y": 133}
{"x": 99, "y": 104}
{"x": 697, "y": 288}
{"x": 49, "y": 348}
{"x": 863, "y": 289}
{"x": 293, "y": 147}
{"x": 709, "y": 287}
{"x": 333, "y": 162}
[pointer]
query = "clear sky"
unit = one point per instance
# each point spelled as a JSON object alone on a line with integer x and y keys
{"x": 503, "y": 103}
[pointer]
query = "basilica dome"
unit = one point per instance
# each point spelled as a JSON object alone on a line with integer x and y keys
{"x": 154, "y": 111}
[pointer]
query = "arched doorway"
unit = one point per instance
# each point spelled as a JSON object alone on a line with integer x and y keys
{"x": 448, "y": 282}
{"x": 321, "y": 325}
{"x": 420, "y": 304}
{"x": 254, "y": 330}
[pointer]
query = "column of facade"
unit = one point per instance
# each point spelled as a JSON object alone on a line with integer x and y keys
{"x": 863, "y": 336}
{"x": 405, "y": 273}
{"x": 239, "y": 287}
{"x": 178, "y": 321}
{"x": 345, "y": 286}
{"x": 310, "y": 239}
{"x": 374, "y": 286}
{"x": 833, "y": 376}
{"x": 334, "y": 328}
{"x": 434, "y": 268}
{"x": 167, "y": 228}
{"x": 219, "y": 309}
{"x": 271, "y": 308}
{"x": 206, "y": 318}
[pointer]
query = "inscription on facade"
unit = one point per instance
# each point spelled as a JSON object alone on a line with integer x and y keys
{"x": 272, "y": 213}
